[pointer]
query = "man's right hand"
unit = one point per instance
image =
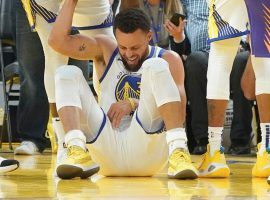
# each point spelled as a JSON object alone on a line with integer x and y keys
{"x": 117, "y": 111}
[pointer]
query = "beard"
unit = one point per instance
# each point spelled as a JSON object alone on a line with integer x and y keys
{"x": 136, "y": 67}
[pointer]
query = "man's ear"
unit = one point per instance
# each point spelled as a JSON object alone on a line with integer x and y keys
{"x": 149, "y": 36}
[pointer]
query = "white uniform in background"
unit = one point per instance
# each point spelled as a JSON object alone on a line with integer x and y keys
{"x": 228, "y": 20}
{"x": 91, "y": 17}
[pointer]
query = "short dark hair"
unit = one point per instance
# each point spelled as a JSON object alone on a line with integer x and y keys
{"x": 129, "y": 20}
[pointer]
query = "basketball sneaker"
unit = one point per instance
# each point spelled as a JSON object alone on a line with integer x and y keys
{"x": 180, "y": 165}
{"x": 50, "y": 133}
{"x": 8, "y": 165}
{"x": 62, "y": 154}
{"x": 262, "y": 165}
{"x": 27, "y": 148}
{"x": 77, "y": 164}
{"x": 214, "y": 166}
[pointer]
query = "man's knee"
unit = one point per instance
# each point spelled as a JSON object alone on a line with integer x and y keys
{"x": 67, "y": 72}
{"x": 156, "y": 74}
{"x": 155, "y": 66}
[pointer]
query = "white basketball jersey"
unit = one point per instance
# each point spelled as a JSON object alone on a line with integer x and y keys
{"x": 118, "y": 84}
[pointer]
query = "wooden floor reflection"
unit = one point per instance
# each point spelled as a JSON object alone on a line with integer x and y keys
{"x": 35, "y": 179}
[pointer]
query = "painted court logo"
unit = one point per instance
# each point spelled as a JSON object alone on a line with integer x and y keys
{"x": 128, "y": 86}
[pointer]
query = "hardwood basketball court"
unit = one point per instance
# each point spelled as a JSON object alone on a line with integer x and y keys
{"x": 35, "y": 180}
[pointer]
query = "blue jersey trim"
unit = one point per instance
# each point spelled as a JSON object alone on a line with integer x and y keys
{"x": 109, "y": 65}
{"x": 162, "y": 129}
{"x": 151, "y": 52}
{"x": 101, "y": 127}
{"x": 161, "y": 52}
{"x": 94, "y": 27}
{"x": 267, "y": 137}
{"x": 49, "y": 16}
{"x": 228, "y": 36}
{"x": 52, "y": 20}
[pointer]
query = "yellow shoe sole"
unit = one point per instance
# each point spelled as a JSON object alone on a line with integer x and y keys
{"x": 185, "y": 174}
{"x": 71, "y": 171}
{"x": 261, "y": 174}
{"x": 52, "y": 138}
{"x": 219, "y": 173}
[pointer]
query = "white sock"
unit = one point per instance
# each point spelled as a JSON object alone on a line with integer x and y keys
{"x": 59, "y": 131}
{"x": 176, "y": 138}
{"x": 265, "y": 129}
{"x": 214, "y": 138}
{"x": 75, "y": 138}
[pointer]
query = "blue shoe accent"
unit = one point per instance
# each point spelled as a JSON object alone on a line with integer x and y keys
{"x": 222, "y": 149}
{"x": 268, "y": 150}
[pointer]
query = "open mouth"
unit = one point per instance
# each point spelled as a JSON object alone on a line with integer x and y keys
{"x": 131, "y": 60}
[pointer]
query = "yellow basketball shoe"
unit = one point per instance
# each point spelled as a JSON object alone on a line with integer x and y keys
{"x": 214, "y": 166}
{"x": 180, "y": 165}
{"x": 77, "y": 164}
{"x": 262, "y": 165}
{"x": 50, "y": 133}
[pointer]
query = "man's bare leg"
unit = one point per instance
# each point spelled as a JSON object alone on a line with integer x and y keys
{"x": 173, "y": 114}
{"x": 216, "y": 116}
{"x": 248, "y": 81}
{"x": 70, "y": 117}
{"x": 173, "y": 119}
{"x": 263, "y": 101}
{"x": 221, "y": 58}
{"x": 78, "y": 162}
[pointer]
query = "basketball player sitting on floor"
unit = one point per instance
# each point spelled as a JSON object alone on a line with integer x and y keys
{"x": 141, "y": 89}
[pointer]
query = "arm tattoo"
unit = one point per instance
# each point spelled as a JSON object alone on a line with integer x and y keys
{"x": 82, "y": 48}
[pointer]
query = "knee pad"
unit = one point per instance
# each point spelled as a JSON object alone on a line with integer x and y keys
{"x": 67, "y": 72}
{"x": 50, "y": 67}
{"x": 156, "y": 72}
{"x": 52, "y": 58}
{"x": 67, "y": 90}
{"x": 221, "y": 57}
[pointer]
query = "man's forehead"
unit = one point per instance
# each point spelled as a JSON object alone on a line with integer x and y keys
{"x": 137, "y": 31}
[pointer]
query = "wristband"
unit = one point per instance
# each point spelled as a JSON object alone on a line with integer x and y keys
{"x": 132, "y": 103}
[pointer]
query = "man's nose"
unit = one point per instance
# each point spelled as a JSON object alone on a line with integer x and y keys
{"x": 129, "y": 53}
